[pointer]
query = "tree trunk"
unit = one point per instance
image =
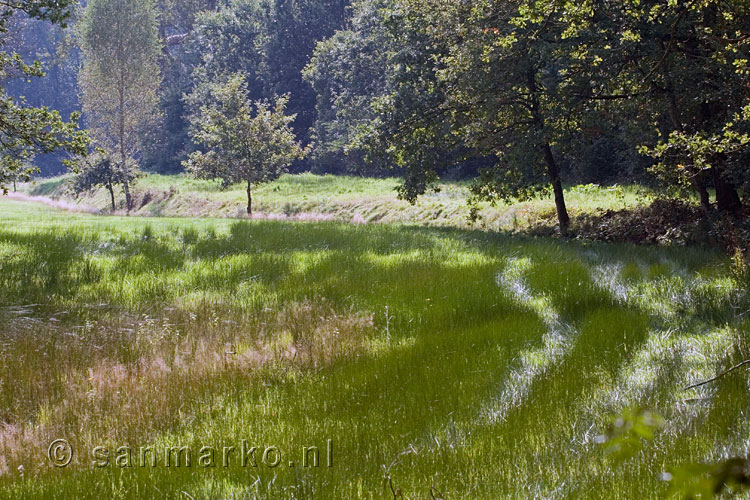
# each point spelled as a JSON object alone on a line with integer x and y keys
{"x": 699, "y": 177}
{"x": 111, "y": 195}
{"x": 123, "y": 155}
{"x": 128, "y": 196}
{"x": 14, "y": 184}
{"x": 699, "y": 182}
{"x": 249, "y": 199}
{"x": 554, "y": 176}
{"x": 726, "y": 194}
{"x": 553, "y": 171}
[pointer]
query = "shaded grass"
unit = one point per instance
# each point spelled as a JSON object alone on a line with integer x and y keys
{"x": 392, "y": 341}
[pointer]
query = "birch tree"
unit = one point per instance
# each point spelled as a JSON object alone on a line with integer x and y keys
{"x": 120, "y": 77}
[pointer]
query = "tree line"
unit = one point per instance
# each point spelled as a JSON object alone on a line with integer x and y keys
{"x": 520, "y": 95}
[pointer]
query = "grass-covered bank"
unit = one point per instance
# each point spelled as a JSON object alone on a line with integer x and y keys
{"x": 340, "y": 198}
{"x": 480, "y": 365}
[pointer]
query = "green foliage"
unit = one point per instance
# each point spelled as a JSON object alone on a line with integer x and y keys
{"x": 682, "y": 74}
{"x": 410, "y": 129}
{"x": 468, "y": 86}
{"x": 54, "y": 11}
{"x": 725, "y": 479}
{"x": 270, "y": 42}
{"x": 241, "y": 144}
{"x": 24, "y": 130}
{"x": 49, "y": 44}
{"x": 625, "y": 439}
{"x": 628, "y": 431}
{"x": 166, "y": 144}
{"x": 524, "y": 93}
{"x": 348, "y": 71}
{"x": 531, "y": 85}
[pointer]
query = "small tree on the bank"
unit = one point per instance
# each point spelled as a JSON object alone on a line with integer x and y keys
{"x": 99, "y": 170}
{"x": 239, "y": 145}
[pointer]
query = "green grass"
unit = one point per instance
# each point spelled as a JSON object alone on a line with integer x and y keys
{"x": 480, "y": 365}
{"x": 308, "y": 196}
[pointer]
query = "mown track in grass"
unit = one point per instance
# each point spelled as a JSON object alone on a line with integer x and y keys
{"x": 396, "y": 342}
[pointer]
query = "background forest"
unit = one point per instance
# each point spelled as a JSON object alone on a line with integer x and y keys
{"x": 521, "y": 96}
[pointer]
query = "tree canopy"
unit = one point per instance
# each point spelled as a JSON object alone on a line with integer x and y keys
{"x": 520, "y": 96}
{"x": 120, "y": 76}
{"x": 26, "y": 130}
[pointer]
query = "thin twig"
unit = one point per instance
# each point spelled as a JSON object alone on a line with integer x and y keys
{"x": 717, "y": 377}
{"x": 396, "y": 492}
{"x": 694, "y": 400}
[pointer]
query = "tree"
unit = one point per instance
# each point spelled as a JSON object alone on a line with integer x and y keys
{"x": 38, "y": 40}
{"x": 270, "y": 42}
{"x": 348, "y": 71}
{"x": 97, "y": 170}
{"x": 290, "y": 30}
{"x": 120, "y": 77}
{"x": 54, "y": 11}
{"x": 25, "y": 130}
{"x": 479, "y": 80}
{"x": 683, "y": 67}
{"x": 167, "y": 143}
{"x": 242, "y": 146}
{"x": 699, "y": 70}
{"x": 509, "y": 101}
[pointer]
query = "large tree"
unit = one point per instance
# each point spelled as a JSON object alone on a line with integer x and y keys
{"x": 676, "y": 72}
{"x": 241, "y": 142}
{"x": 690, "y": 60}
{"x": 120, "y": 76}
{"x": 348, "y": 71}
{"x": 25, "y": 130}
{"x": 480, "y": 79}
{"x": 167, "y": 144}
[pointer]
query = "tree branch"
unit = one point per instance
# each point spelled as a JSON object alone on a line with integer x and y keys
{"x": 717, "y": 377}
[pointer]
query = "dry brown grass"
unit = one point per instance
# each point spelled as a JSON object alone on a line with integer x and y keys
{"x": 153, "y": 375}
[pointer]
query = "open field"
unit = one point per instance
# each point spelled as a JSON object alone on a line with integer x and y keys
{"x": 340, "y": 198}
{"x": 480, "y": 365}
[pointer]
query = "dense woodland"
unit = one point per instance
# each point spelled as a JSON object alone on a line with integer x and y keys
{"x": 522, "y": 96}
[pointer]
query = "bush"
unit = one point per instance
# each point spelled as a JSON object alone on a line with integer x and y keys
{"x": 664, "y": 222}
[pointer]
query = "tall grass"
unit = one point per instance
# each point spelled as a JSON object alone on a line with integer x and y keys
{"x": 435, "y": 360}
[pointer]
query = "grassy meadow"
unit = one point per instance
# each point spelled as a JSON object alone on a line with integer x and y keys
{"x": 461, "y": 364}
{"x": 307, "y": 197}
